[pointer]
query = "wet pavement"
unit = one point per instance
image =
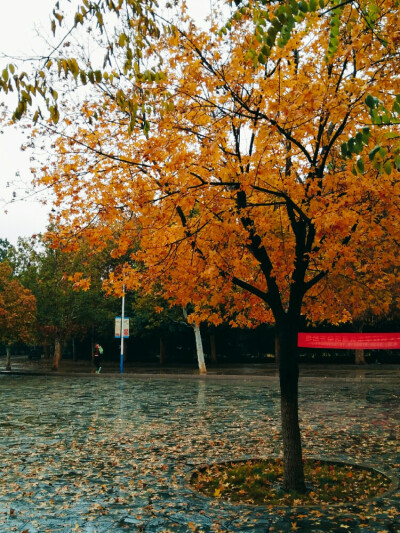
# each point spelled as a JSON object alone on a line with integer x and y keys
{"x": 103, "y": 453}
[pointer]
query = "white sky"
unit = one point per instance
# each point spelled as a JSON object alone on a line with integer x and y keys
{"x": 20, "y": 24}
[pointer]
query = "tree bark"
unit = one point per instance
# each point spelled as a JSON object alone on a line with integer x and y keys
{"x": 288, "y": 377}
{"x": 277, "y": 347}
{"x": 199, "y": 350}
{"x": 57, "y": 353}
{"x": 199, "y": 344}
{"x": 360, "y": 357}
{"x": 8, "y": 359}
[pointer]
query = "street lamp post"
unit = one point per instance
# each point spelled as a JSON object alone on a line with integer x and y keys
{"x": 121, "y": 364}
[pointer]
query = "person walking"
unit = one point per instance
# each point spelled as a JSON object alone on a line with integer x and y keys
{"x": 98, "y": 352}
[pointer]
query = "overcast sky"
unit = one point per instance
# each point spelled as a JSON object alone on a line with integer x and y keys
{"x": 20, "y": 28}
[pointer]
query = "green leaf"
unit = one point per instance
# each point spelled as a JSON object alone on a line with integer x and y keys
{"x": 262, "y": 59}
{"x": 392, "y": 135}
{"x": 294, "y": 6}
{"x": 55, "y": 116}
{"x": 276, "y": 23}
{"x": 396, "y": 107}
{"x": 370, "y": 101}
{"x": 282, "y": 18}
{"x": 266, "y": 51}
{"x": 387, "y": 167}
{"x": 303, "y": 6}
{"x": 373, "y": 153}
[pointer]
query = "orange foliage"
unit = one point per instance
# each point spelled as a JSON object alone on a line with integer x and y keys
{"x": 17, "y": 309}
{"x": 240, "y": 183}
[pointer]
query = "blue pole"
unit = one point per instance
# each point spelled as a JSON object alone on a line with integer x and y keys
{"x": 121, "y": 365}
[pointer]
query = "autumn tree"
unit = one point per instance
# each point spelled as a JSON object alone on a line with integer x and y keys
{"x": 17, "y": 312}
{"x": 251, "y": 164}
{"x": 64, "y": 314}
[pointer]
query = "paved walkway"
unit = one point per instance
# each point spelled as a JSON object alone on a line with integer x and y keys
{"x": 22, "y": 364}
{"x": 92, "y": 453}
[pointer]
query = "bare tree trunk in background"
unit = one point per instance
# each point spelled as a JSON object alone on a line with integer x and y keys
{"x": 199, "y": 350}
{"x": 199, "y": 345}
{"x": 57, "y": 353}
{"x": 8, "y": 358}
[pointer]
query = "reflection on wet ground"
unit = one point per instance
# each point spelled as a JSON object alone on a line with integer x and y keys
{"x": 103, "y": 454}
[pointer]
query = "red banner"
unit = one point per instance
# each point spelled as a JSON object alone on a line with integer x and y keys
{"x": 352, "y": 341}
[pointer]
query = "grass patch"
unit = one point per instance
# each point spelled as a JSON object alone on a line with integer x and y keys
{"x": 259, "y": 482}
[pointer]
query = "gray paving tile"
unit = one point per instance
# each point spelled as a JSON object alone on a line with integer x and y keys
{"x": 101, "y": 455}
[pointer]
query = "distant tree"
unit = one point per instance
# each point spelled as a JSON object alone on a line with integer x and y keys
{"x": 153, "y": 313}
{"x": 17, "y": 312}
{"x": 67, "y": 307}
{"x": 5, "y": 248}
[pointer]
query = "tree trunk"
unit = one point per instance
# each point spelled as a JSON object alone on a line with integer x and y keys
{"x": 199, "y": 349}
{"x": 8, "y": 358}
{"x": 73, "y": 350}
{"x": 57, "y": 353}
{"x": 213, "y": 349}
{"x": 162, "y": 351}
{"x": 199, "y": 344}
{"x": 360, "y": 357}
{"x": 277, "y": 347}
{"x": 293, "y": 478}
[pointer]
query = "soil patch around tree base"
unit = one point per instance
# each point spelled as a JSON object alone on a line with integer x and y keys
{"x": 259, "y": 482}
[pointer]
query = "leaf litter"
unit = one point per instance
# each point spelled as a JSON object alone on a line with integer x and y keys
{"x": 114, "y": 455}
